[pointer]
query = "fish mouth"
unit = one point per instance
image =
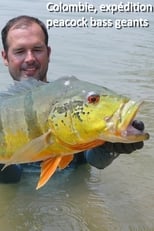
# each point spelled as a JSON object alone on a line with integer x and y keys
{"x": 119, "y": 125}
{"x": 135, "y": 134}
{"x": 127, "y": 131}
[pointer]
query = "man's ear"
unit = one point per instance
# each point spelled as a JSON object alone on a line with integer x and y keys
{"x": 4, "y": 56}
{"x": 49, "y": 52}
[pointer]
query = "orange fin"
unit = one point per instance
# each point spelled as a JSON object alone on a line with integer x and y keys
{"x": 48, "y": 167}
{"x": 65, "y": 161}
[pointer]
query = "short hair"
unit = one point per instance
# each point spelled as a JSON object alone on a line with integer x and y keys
{"x": 19, "y": 22}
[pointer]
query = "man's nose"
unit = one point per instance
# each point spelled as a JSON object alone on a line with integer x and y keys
{"x": 30, "y": 57}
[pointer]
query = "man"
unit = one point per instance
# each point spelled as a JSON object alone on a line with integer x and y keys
{"x": 27, "y": 54}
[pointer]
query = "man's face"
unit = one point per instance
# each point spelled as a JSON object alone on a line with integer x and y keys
{"x": 27, "y": 55}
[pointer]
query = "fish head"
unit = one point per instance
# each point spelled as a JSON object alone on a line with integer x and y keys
{"x": 94, "y": 116}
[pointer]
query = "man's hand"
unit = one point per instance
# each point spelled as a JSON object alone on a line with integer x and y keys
{"x": 102, "y": 156}
{"x": 120, "y": 148}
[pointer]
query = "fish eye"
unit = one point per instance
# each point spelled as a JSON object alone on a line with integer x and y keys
{"x": 93, "y": 98}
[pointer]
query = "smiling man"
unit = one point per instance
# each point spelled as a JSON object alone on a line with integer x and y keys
{"x": 25, "y": 50}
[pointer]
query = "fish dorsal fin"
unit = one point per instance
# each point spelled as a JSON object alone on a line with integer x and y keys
{"x": 20, "y": 87}
{"x": 48, "y": 167}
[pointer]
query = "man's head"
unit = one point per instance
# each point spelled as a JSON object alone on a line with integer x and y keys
{"x": 26, "y": 51}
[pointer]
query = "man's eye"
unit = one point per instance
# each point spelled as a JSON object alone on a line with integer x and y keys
{"x": 19, "y": 52}
{"x": 38, "y": 49}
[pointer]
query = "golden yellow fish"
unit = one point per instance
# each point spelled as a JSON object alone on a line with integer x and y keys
{"x": 51, "y": 122}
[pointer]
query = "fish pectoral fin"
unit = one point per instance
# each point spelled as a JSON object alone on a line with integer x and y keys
{"x": 48, "y": 167}
{"x": 65, "y": 160}
{"x": 28, "y": 153}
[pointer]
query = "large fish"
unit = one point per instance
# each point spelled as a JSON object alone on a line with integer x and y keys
{"x": 51, "y": 122}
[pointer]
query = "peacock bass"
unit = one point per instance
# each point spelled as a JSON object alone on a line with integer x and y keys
{"x": 50, "y": 122}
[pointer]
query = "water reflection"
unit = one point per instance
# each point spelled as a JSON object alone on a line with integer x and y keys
{"x": 82, "y": 199}
{"x": 65, "y": 204}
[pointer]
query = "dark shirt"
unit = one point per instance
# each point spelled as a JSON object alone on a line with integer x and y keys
{"x": 10, "y": 174}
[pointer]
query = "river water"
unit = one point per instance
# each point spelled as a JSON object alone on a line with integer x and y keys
{"x": 120, "y": 197}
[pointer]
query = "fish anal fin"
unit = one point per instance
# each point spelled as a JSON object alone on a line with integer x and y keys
{"x": 48, "y": 167}
{"x": 65, "y": 161}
